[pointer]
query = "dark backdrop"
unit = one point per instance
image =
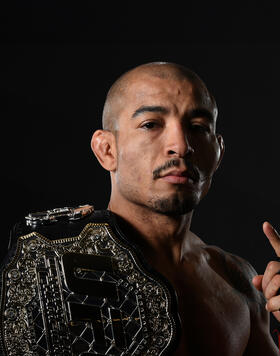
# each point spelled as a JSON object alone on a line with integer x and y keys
{"x": 59, "y": 60}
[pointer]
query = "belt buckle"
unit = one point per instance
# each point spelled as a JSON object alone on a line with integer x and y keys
{"x": 83, "y": 295}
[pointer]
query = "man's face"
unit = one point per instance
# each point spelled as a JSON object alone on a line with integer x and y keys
{"x": 166, "y": 144}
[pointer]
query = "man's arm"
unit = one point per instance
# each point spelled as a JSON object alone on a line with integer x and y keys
{"x": 260, "y": 340}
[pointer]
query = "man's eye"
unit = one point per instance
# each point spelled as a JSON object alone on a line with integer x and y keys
{"x": 200, "y": 128}
{"x": 149, "y": 125}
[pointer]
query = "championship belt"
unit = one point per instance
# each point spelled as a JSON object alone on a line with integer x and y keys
{"x": 74, "y": 285}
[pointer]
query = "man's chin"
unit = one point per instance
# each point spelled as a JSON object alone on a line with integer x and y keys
{"x": 174, "y": 206}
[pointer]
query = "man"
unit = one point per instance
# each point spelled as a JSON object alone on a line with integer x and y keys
{"x": 159, "y": 144}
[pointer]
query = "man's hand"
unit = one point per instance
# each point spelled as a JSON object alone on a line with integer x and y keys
{"x": 269, "y": 282}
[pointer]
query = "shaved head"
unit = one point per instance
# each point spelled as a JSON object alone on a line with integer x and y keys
{"x": 163, "y": 70}
{"x": 158, "y": 116}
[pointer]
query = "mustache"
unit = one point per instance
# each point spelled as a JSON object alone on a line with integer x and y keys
{"x": 191, "y": 170}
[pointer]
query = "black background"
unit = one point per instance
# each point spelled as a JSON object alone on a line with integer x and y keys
{"x": 59, "y": 59}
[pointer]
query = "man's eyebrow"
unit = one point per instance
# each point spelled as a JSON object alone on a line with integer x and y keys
{"x": 201, "y": 112}
{"x": 152, "y": 108}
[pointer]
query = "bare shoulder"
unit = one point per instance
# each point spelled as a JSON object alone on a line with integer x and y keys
{"x": 239, "y": 273}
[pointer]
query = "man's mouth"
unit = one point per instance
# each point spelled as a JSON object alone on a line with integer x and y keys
{"x": 177, "y": 176}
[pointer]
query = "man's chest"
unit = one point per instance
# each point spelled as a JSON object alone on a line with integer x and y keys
{"x": 215, "y": 317}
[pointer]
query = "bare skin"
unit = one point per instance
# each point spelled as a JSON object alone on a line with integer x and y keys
{"x": 162, "y": 154}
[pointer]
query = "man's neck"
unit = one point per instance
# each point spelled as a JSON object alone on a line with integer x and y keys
{"x": 158, "y": 235}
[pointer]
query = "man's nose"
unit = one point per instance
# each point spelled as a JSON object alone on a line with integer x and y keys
{"x": 177, "y": 142}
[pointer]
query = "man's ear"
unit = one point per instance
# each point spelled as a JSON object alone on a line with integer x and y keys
{"x": 221, "y": 144}
{"x": 103, "y": 145}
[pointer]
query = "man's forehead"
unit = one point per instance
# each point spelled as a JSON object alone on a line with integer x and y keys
{"x": 155, "y": 84}
{"x": 147, "y": 89}
{"x": 147, "y": 84}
